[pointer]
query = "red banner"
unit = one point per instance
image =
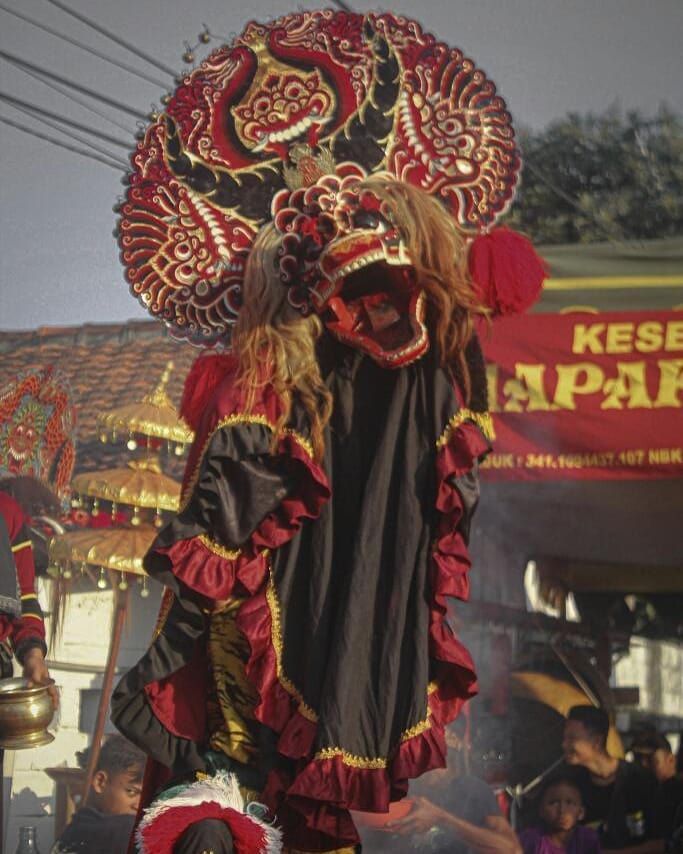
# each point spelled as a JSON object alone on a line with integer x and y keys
{"x": 584, "y": 395}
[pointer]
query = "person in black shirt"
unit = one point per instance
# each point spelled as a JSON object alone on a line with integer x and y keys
{"x": 104, "y": 825}
{"x": 652, "y": 752}
{"x": 617, "y": 795}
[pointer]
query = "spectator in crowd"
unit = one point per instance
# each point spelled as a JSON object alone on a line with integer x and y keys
{"x": 105, "y": 823}
{"x": 21, "y": 619}
{"x": 560, "y": 809}
{"x": 653, "y": 752}
{"x": 451, "y": 812}
{"x": 22, "y": 631}
{"x": 617, "y": 795}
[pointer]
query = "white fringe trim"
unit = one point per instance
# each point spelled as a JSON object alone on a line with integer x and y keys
{"x": 222, "y": 789}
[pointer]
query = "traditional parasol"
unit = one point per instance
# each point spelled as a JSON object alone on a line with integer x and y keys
{"x": 154, "y": 417}
{"x": 117, "y": 549}
{"x": 140, "y": 484}
{"x": 560, "y": 696}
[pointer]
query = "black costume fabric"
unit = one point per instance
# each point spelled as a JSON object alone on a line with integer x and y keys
{"x": 622, "y": 811}
{"x": 340, "y": 572}
{"x": 91, "y": 830}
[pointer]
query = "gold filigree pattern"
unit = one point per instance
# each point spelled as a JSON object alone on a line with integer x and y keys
{"x": 418, "y": 729}
{"x": 164, "y": 610}
{"x": 483, "y": 421}
{"x": 217, "y": 549}
{"x": 351, "y": 759}
{"x": 276, "y": 637}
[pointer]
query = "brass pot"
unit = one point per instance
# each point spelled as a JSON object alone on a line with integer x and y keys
{"x": 25, "y": 714}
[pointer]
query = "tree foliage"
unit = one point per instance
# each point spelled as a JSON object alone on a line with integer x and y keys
{"x": 612, "y": 176}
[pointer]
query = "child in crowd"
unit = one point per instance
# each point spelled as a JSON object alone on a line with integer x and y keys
{"x": 560, "y": 810}
{"x": 105, "y": 823}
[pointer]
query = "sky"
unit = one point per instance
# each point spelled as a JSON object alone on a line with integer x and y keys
{"x": 59, "y": 262}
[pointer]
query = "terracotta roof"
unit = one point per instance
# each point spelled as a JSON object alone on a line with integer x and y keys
{"x": 106, "y": 365}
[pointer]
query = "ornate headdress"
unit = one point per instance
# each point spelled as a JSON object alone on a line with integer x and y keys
{"x": 37, "y": 428}
{"x": 284, "y": 124}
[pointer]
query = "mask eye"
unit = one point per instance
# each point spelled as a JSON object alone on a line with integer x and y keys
{"x": 365, "y": 219}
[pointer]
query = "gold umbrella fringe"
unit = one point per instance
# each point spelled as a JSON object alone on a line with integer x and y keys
{"x": 140, "y": 484}
{"x": 154, "y": 417}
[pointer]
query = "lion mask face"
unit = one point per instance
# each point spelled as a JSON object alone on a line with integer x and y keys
{"x": 342, "y": 256}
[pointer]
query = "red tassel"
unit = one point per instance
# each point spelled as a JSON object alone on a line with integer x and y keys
{"x": 202, "y": 380}
{"x": 506, "y": 271}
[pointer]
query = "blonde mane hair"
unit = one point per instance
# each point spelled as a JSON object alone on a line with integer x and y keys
{"x": 438, "y": 250}
{"x": 275, "y": 345}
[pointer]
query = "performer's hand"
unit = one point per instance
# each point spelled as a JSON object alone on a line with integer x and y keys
{"x": 35, "y": 670}
{"x": 423, "y": 816}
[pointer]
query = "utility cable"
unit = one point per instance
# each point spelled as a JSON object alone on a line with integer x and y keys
{"x": 58, "y": 143}
{"x": 85, "y": 47}
{"x": 67, "y": 94}
{"x": 10, "y": 99}
{"x": 84, "y": 90}
{"x": 117, "y": 39}
{"x": 71, "y": 135}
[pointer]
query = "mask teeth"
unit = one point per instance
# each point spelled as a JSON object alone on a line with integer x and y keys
{"x": 352, "y": 266}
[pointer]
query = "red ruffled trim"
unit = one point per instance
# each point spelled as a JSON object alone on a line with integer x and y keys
{"x": 161, "y": 836}
{"x": 455, "y": 675}
{"x": 313, "y": 805}
{"x": 213, "y": 575}
{"x": 312, "y": 492}
{"x": 167, "y": 697}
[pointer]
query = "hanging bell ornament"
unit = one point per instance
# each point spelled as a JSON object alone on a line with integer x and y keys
{"x": 144, "y": 592}
{"x": 188, "y": 55}
{"x": 131, "y": 444}
{"x": 135, "y": 521}
{"x": 103, "y": 438}
{"x": 205, "y": 36}
{"x": 102, "y": 580}
{"x": 83, "y": 568}
{"x": 158, "y": 520}
{"x": 179, "y": 450}
{"x": 53, "y": 571}
{"x": 67, "y": 573}
{"x": 95, "y": 508}
{"x": 123, "y": 583}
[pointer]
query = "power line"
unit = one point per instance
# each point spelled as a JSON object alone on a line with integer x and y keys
{"x": 58, "y": 143}
{"x": 73, "y": 98}
{"x": 17, "y": 102}
{"x": 85, "y": 47}
{"x": 117, "y": 39}
{"x": 71, "y": 135}
{"x": 84, "y": 90}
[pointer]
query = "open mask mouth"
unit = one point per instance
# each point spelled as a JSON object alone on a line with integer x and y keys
{"x": 378, "y": 309}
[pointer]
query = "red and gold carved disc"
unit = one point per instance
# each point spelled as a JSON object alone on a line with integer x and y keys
{"x": 37, "y": 428}
{"x": 284, "y": 104}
